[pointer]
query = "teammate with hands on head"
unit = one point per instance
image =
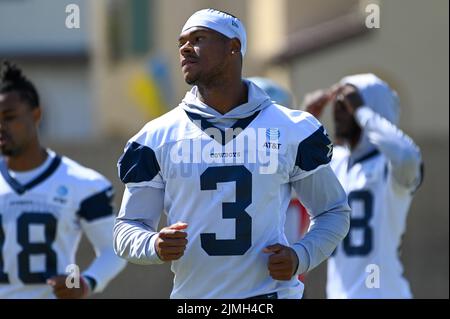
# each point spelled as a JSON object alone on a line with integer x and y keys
{"x": 380, "y": 168}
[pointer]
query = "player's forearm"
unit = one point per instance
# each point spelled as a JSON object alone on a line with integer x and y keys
{"x": 326, "y": 201}
{"x": 326, "y": 232}
{"x": 106, "y": 265}
{"x": 402, "y": 152}
{"x": 104, "y": 268}
{"x": 137, "y": 223}
{"x": 135, "y": 242}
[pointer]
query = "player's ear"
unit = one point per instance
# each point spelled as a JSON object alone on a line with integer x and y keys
{"x": 37, "y": 115}
{"x": 235, "y": 45}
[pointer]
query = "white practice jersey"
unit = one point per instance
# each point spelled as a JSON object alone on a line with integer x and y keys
{"x": 233, "y": 195}
{"x": 367, "y": 263}
{"x": 41, "y": 224}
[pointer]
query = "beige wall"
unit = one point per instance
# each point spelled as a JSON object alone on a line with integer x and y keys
{"x": 407, "y": 50}
{"x": 304, "y": 13}
{"x": 410, "y": 51}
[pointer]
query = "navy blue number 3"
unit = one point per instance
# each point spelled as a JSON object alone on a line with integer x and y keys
{"x": 28, "y": 248}
{"x": 243, "y": 178}
{"x": 361, "y": 223}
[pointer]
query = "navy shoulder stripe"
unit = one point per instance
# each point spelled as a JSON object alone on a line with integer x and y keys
{"x": 314, "y": 151}
{"x": 138, "y": 164}
{"x": 97, "y": 206}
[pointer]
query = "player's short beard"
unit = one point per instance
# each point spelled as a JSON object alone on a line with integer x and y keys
{"x": 191, "y": 81}
{"x": 352, "y": 133}
{"x": 212, "y": 79}
{"x": 11, "y": 150}
{"x": 7, "y": 152}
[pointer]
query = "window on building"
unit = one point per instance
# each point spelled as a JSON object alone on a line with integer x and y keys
{"x": 130, "y": 28}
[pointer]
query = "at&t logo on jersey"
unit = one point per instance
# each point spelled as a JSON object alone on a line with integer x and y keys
{"x": 273, "y": 136}
{"x": 61, "y": 194}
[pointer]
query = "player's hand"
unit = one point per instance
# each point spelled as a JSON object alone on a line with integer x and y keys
{"x": 316, "y": 101}
{"x": 351, "y": 98}
{"x": 61, "y": 291}
{"x": 282, "y": 263}
{"x": 171, "y": 242}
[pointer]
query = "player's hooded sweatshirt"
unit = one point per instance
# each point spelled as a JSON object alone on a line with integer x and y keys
{"x": 233, "y": 191}
{"x": 380, "y": 176}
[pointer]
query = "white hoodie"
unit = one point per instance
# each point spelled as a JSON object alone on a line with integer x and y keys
{"x": 379, "y": 176}
{"x": 237, "y": 203}
{"x": 379, "y": 119}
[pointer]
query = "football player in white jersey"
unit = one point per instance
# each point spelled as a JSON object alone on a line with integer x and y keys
{"x": 222, "y": 165}
{"x": 380, "y": 168}
{"x": 46, "y": 202}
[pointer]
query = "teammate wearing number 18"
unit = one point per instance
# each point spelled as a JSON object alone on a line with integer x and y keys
{"x": 226, "y": 210}
{"x": 46, "y": 201}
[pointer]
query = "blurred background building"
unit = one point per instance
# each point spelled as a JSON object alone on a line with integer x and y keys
{"x": 102, "y": 82}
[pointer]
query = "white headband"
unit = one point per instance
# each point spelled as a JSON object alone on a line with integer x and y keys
{"x": 219, "y": 21}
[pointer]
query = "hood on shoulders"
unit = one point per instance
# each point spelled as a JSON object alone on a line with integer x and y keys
{"x": 257, "y": 101}
{"x": 378, "y": 96}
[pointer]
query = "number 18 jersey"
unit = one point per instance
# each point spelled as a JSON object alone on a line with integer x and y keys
{"x": 41, "y": 224}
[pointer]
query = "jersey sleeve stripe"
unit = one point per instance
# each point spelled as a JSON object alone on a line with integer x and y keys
{"x": 97, "y": 206}
{"x": 314, "y": 151}
{"x": 138, "y": 164}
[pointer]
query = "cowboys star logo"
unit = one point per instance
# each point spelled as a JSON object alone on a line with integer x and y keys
{"x": 330, "y": 150}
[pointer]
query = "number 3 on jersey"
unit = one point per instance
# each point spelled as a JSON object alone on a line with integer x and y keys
{"x": 243, "y": 178}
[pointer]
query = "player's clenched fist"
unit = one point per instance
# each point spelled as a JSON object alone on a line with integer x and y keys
{"x": 171, "y": 242}
{"x": 282, "y": 263}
